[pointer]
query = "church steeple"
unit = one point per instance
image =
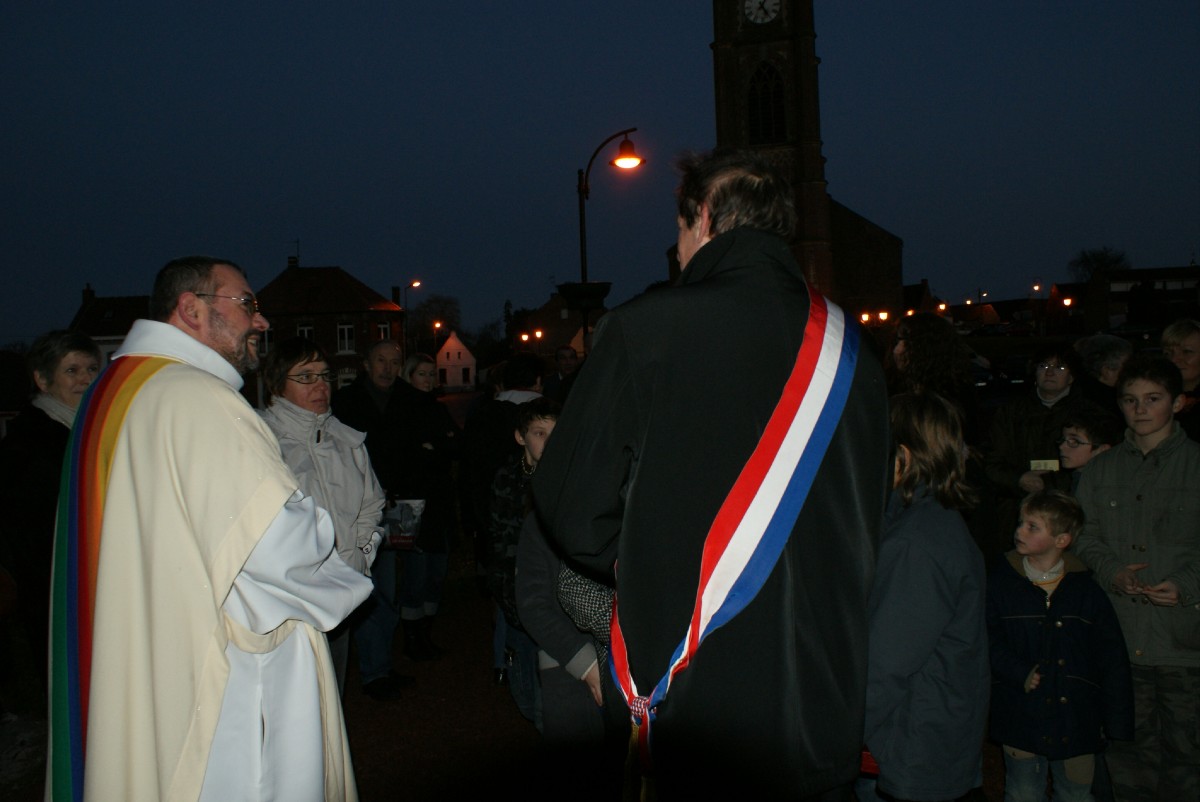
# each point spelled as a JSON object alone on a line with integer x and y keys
{"x": 765, "y": 69}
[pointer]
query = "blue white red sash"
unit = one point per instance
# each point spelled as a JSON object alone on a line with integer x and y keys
{"x": 757, "y": 517}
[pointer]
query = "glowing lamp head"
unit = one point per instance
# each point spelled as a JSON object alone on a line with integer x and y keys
{"x": 883, "y": 316}
{"x": 1066, "y": 302}
{"x": 627, "y": 158}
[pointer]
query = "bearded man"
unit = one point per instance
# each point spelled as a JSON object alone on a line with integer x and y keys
{"x": 193, "y": 579}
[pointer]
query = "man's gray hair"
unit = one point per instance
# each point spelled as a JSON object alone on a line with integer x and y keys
{"x": 740, "y": 188}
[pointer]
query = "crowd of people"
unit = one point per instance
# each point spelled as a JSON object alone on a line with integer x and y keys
{"x": 830, "y": 579}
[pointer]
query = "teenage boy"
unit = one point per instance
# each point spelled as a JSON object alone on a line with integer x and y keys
{"x": 1086, "y": 432}
{"x": 1060, "y": 675}
{"x": 1142, "y": 541}
{"x": 510, "y": 504}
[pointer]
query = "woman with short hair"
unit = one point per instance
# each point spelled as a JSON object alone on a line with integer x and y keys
{"x": 329, "y": 460}
{"x": 62, "y": 365}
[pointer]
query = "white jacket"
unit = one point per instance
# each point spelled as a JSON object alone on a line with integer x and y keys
{"x": 331, "y": 464}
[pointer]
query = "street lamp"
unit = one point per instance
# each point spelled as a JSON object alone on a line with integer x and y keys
{"x": 585, "y": 296}
{"x": 626, "y": 159}
{"x": 416, "y": 282}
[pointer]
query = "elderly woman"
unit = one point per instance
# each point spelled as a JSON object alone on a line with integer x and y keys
{"x": 430, "y": 445}
{"x": 62, "y": 365}
{"x": 327, "y": 457}
{"x": 1181, "y": 345}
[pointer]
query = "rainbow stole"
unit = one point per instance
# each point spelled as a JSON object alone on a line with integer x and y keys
{"x": 756, "y": 519}
{"x": 81, "y": 496}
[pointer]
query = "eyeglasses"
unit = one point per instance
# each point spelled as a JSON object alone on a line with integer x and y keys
{"x": 249, "y": 303}
{"x": 1046, "y": 368}
{"x": 312, "y": 378}
{"x": 1072, "y": 442}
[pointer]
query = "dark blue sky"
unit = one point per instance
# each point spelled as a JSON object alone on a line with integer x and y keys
{"x": 441, "y": 140}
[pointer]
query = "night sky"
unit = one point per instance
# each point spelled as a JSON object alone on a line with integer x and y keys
{"x": 440, "y": 141}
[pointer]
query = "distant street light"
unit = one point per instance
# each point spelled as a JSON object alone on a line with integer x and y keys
{"x": 626, "y": 159}
{"x": 410, "y": 285}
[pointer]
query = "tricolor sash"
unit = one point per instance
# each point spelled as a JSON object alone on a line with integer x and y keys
{"x": 76, "y": 560}
{"x": 757, "y": 517}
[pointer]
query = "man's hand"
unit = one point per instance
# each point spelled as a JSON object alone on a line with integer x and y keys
{"x": 1164, "y": 594}
{"x": 1033, "y": 680}
{"x": 1126, "y": 580}
{"x": 592, "y": 680}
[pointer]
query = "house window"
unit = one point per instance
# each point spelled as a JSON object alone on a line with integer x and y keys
{"x": 304, "y": 331}
{"x": 466, "y": 376}
{"x": 345, "y": 338}
{"x": 383, "y": 331}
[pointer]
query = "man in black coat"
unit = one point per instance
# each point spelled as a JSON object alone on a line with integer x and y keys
{"x": 673, "y": 400}
{"x": 372, "y": 405}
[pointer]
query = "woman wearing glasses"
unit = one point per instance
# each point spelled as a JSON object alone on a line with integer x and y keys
{"x": 327, "y": 457}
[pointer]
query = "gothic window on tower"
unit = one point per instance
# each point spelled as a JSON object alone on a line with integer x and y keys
{"x": 765, "y": 108}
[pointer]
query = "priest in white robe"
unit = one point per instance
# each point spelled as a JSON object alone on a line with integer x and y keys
{"x": 193, "y": 580}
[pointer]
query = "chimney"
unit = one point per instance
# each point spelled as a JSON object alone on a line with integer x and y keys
{"x": 89, "y": 294}
{"x": 396, "y": 295}
{"x": 293, "y": 261}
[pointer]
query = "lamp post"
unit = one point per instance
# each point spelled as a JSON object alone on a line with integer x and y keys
{"x": 437, "y": 329}
{"x": 627, "y": 159}
{"x": 416, "y": 282}
{"x": 586, "y": 296}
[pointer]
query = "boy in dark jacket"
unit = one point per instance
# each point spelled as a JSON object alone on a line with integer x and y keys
{"x": 511, "y": 502}
{"x": 1060, "y": 674}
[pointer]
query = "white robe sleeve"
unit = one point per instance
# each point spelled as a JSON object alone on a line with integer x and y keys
{"x": 295, "y": 572}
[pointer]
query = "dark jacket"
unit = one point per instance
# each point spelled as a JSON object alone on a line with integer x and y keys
{"x": 355, "y": 406}
{"x": 1073, "y": 638}
{"x": 428, "y": 447}
{"x": 927, "y": 680}
{"x": 660, "y": 422}
{"x": 510, "y": 506}
{"x": 31, "y": 461}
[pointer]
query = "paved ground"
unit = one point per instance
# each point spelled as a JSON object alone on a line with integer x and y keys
{"x": 454, "y": 735}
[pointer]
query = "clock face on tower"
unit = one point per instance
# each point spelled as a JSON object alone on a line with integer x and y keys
{"x": 761, "y": 11}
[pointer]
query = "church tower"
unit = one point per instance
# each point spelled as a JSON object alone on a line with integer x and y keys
{"x": 765, "y": 64}
{"x": 765, "y": 77}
